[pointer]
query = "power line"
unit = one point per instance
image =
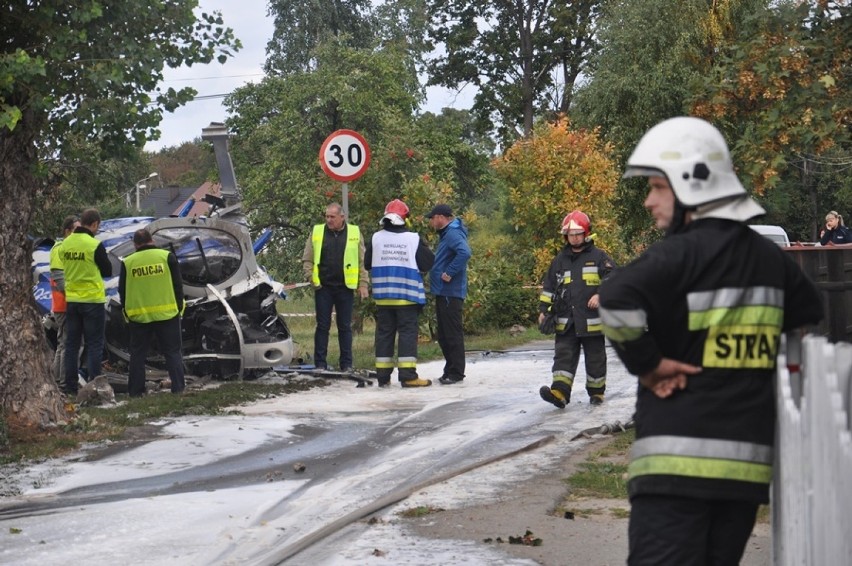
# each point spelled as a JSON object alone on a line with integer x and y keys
{"x": 214, "y": 78}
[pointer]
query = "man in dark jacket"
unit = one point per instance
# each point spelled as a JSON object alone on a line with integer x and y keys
{"x": 448, "y": 283}
{"x": 698, "y": 318}
{"x": 570, "y": 292}
{"x": 151, "y": 292}
{"x": 333, "y": 263}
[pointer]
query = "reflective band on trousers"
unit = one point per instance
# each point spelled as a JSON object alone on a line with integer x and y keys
{"x": 701, "y": 458}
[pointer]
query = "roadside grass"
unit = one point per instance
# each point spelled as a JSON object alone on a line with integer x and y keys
{"x": 302, "y": 328}
{"x": 97, "y": 424}
{"x": 604, "y": 472}
{"x": 603, "y": 475}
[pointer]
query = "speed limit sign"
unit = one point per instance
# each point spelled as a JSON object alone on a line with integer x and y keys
{"x": 344, "y": 155}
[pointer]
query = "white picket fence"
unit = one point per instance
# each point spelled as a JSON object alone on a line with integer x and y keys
{"x": 812, "y": 490}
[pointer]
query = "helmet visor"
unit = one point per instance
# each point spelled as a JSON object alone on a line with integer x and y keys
{"x": 639, "y": 171}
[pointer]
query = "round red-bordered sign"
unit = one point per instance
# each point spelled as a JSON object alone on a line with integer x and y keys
{"x": 344, "y": 155}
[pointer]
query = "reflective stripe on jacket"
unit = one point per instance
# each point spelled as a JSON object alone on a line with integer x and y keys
{"x": 575, "y": 277}
{"x": 395, "y": 277}
{"x": 716, "y": 295}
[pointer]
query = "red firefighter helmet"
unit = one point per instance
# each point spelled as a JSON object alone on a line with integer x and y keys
{"x": 576, "y": 220}
{"x": 396, "y": 211}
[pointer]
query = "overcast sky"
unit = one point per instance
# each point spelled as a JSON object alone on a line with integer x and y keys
{"x": 249, "y": 20}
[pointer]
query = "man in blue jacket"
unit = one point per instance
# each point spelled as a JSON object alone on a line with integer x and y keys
{"x": 448, "y": 282}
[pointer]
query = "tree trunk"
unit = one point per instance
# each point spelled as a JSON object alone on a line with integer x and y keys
{"x": 28, "y": 394}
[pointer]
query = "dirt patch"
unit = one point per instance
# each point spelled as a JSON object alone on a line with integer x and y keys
{"x": 594, "y": 534}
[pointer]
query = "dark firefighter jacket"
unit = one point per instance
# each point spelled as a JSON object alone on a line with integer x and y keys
{"x": 716, "y": 295}
{"x": 571, "y": 280}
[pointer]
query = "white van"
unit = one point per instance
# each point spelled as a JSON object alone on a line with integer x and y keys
{"x": 774, "y": 233}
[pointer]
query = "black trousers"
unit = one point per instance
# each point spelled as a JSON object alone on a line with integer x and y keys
{"x": 682, "y": 531}
{"x": 566, "y": 358}
{"x": 390, "y": 323}
{"x": 451, "y": 335}
{"x": 167, "y": 333}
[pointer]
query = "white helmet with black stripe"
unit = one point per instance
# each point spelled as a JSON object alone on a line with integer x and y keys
{"x": 692, "y": 154}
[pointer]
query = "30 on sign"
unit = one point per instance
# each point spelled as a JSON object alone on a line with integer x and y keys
{"x": 344, "y": 155}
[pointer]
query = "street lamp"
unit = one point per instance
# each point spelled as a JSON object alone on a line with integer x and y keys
{"x": 140, "y": 184}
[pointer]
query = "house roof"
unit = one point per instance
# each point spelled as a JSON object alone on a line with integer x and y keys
{"x": 164, "y": 200}
{"x": 168, "y": 201}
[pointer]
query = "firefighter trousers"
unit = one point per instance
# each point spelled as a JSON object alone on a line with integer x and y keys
{"x": 685, "y": 531}
{"x": 391, "y": 322}
{"x": 566, "y": 358}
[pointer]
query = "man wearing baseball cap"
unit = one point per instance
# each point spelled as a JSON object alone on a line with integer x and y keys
{"x": 448, "y": 282}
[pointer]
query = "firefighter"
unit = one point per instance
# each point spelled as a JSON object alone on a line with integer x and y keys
{"x": 698, "y": 318}
{"x": 570, "y": 292}
{"x": 397, "y": 259}
{"x": 151, "y": 292}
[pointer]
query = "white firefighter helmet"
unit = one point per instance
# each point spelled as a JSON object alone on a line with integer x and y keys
{"x": 692, "y": 154}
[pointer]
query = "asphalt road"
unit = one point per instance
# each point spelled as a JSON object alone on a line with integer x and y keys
{"x": 360, "y": 449}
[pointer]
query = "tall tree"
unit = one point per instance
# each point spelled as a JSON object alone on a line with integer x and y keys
{"x": 652, "y": 57}
{"x": 509, "y": 50}
{"x": 72, "y": 71}
{"x": 301, "y": 26}
{"x": 555, "y": 171}
{"x": 281, "y": 123}
{"x": 785, "y": 98}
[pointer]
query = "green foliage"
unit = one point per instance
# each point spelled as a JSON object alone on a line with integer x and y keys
{"x": 497, "y": 295}
{"x": 78, "y": 84}
{"x": 282, "y": 122}
{"x": 189, "y": 164}
{"x": 604, "y": 473}
{"x": 300, "y": 27}
{"x": 92, "y": 67}
{"x": 92, "y": 70}
{"x": 652, "y": 58}
{"x": 783, "y": 97}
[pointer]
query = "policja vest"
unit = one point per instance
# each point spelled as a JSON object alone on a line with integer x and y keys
{"x": 149, "y": 293}
{"x": 57, "y": 297}
{"x": 83, "y": 280}
{"x": 350, "y": 254}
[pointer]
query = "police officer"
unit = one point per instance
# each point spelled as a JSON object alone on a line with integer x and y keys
{"x": 151, "y": 292}
{"x": 85, "y": 263}
{"x": 570, "y": 290}
{"x": 397, "y": 259}
{"x": 698, "y": 317}
{"x": 58, "y": 304}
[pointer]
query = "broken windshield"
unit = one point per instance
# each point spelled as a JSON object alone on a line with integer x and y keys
{"x": 205, "y": 255}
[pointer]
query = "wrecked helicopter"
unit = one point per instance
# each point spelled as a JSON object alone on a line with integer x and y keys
{"x": 231, "y": 327}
